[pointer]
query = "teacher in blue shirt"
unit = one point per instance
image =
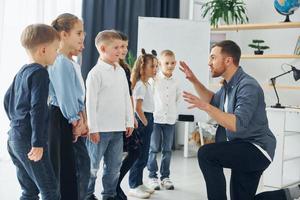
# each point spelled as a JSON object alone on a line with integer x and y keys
{"x": 244, "y": 142}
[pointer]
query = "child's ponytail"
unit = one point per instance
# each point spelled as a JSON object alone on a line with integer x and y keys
{"x": 64, "y": 22}
{"x": 138, "y": 70}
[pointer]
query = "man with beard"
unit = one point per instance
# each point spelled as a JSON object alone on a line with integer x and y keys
{"x": 244, "y": 142}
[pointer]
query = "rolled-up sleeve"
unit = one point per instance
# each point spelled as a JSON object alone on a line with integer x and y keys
{"x": 215, "y": 100}
{"x": 245, "y": 106}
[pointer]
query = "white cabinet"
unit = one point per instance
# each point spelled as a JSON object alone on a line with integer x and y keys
{"x": 285, "y": 168}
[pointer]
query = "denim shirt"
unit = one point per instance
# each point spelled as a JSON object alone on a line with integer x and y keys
{"x": 65, "y": 90}
{"x": 246, "y": 102}
{"x": 25, "y": 103}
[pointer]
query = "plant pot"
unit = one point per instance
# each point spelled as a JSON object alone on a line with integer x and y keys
{"x": 258, "y": 52}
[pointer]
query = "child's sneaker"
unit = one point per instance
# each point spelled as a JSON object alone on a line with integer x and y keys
{"x": 154, "y": 184}
{"x": 138, "y": 193}
{"x": 167, "y": 184}
{"x": 146, "y": 189}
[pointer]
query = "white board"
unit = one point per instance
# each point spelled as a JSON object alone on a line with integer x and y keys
{"x": 189, "y": 40}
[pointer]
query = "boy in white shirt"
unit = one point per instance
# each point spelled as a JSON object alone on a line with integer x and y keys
{"x": 166, "y": 96}
{"x": 109, "y": 113}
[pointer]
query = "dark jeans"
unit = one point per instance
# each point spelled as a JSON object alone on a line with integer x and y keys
{"x": 62, "y": 154}
{"x": 82, "y": 167}
{"x": 272, "y": 195}
{"x": 136, "y": 171}
{"x": 246, "y": 162}
{"x": 34, "y": 177}
{"x": 127, "y": 163}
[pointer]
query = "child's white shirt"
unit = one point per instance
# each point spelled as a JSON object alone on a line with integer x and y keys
{"x": 108, "y": 103}
{"x": 166, "y": 95}
{"x": 144, "y": 91}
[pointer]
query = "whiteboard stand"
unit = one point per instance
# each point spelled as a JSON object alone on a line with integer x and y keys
{"x": 186, "y": 140}
{"x": 187, "y": 119}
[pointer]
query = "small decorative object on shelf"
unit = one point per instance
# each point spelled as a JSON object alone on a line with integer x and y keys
{"x": 286, "y": 7}
{"x": 230, "y": 11}
{"x": 257, "y": 45}
{"x": 296, "y": 75}
{"x": 297, "y": 48}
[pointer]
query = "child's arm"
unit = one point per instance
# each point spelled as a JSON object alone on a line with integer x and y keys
{"x": 129, "y": 109}
{"x": 92, "y": 88}
{"x": 39, "y": 87}
{"x": 65, "y": 82}
{"x": 140, "y": 112}
{"x": 178, "y": 93}
{"x": 135, "y": 123}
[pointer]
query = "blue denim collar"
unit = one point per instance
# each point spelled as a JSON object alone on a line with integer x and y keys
{"x": 234, "y": 79}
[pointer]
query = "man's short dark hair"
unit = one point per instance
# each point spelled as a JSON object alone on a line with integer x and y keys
{"x": 231, "y": 49}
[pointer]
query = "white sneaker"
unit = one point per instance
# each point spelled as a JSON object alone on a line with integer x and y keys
{"x": 138, "y": 193}
{"x": 167, "y": 184}
{"x": 154, "y": 184}
{"x": 146, "y": 189}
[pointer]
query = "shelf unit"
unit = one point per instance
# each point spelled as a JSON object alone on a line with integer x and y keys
{"x": 240, "y": 27}
{"x": 284, "y": 170}
{"x": 271, "y": 56}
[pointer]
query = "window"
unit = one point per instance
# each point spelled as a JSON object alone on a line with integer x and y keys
{"x": 15, "y": 15}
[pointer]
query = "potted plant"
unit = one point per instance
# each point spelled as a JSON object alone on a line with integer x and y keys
{"x": 257, "y": 45}
{"x": 231, "y": 11}
{"x": 130, "y": 60}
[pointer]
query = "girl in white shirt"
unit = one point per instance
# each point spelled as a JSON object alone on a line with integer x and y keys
{"x": 144, "y": 69}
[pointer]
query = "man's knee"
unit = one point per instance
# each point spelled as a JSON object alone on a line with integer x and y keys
{"x": 204, "y": 152}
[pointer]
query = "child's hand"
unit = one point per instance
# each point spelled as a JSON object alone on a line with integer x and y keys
{"x": 95, "y": 137}
{"x": 136, "y": 124}
{"x": 145, "y": 123}
{"x": 129, "y": 131}
{"x": 35, "y": 154}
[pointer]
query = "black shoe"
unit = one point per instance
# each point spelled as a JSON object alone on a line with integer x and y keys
{"x": 92, "y": 197}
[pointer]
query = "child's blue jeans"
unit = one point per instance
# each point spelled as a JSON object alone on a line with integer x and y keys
{"x": 34, "y": 177}
{"x": 111, "y": 148}
{"x": 161, "y": 138}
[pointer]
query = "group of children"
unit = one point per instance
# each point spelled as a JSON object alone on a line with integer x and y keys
{"x": 61, "y": 128}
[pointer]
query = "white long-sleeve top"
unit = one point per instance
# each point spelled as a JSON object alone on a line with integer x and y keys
{"x": 166, "y": 95}
{"x": 108, "y": 102}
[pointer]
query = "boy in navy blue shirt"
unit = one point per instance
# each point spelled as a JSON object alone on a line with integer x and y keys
{"x": 25, "y": 103}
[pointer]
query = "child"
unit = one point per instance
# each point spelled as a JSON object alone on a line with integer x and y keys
{"x": 144, "y": 69}
{"x": 82, "y": 158}
{"x": 109, "y": 113}
{"x": 66, "y": 103}
{"x": 132, "y": 143}
{"x": 166, "y": 96}
{"x": 25, "y": 103}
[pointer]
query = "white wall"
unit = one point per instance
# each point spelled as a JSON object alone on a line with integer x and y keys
{"x": 280, "y": 41}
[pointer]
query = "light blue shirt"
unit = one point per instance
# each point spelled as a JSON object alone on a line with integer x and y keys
{"x": 65, "y": 90}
